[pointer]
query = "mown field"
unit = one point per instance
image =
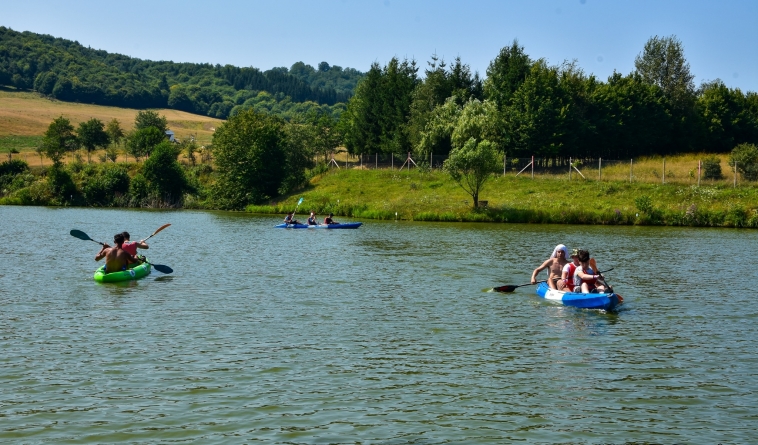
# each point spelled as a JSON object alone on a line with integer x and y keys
{"x": 25, "y": 116}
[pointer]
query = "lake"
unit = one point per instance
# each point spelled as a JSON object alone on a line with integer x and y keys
{"x": 388, "y": 334}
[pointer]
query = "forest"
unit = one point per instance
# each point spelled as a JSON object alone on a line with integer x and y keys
{"x": 65, "y": 70}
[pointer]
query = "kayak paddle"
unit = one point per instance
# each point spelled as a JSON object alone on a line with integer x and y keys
{"x": 83, "y": 236}
{"x": 300, "y": 201}
{"x": 512, "y": 287}
{"x": 159, "y": 267}
{"x": 156, "y": 232}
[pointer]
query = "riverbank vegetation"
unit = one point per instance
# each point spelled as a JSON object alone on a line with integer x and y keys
{"x": 557, "y": 120}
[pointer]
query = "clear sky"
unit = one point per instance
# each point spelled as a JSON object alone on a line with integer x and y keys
{"x": 720, "y": 37}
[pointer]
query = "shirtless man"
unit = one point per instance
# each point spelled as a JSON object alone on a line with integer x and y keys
{"x": 554, "y": 265}
{"x": 116, "y": 258}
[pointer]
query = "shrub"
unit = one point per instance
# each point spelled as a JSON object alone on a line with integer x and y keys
{"x": 712, "y": 168}
{"x": 61, "y": 185}
{"x": 644, "y": 204}
{"x": 746, "y": 157}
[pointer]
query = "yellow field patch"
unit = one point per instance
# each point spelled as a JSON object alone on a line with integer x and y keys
{"x": 29, "y": 114}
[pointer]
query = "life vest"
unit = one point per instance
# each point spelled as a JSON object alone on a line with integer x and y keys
{"x": 570, "y": 276}
{"x": 130, "y": 247}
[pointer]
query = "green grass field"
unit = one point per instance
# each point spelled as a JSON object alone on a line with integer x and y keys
{"x": 433, "y": 196}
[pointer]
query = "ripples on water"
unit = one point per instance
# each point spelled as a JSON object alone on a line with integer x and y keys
{"x": 385, "y": 334}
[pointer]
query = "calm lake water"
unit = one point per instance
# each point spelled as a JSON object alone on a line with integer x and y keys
{"x": 382, "y": 335}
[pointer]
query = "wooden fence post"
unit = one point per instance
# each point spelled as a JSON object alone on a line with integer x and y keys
{"x": 569, "y": 168}
{"x": 631, "y": 169}
{"x": 600, "y": 169}
{"x": 532, "y": 166}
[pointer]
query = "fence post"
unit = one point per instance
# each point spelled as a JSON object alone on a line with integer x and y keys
{"x": 505, "y": 156}
{"x": 532, "y": 166}
{"x": 698, "y": 172}
{"x": 361, "y": 161}
{"x": 664, "y": 171}
{"x": 569, "y": 168}
{"x": 600, "y": 169}
{"x": 376, "y": 161}
{"x": 631, "y": 170}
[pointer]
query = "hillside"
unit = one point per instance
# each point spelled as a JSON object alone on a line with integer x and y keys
{"x": 24, "y": 118}
{"x": 66, "y": 70}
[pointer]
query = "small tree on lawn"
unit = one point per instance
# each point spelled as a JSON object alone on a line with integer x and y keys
{"x": 472, "y": 165}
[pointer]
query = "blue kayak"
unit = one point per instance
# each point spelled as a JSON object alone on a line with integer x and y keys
{"x": 578, "y": 299}
{"x": 354, "y": 225}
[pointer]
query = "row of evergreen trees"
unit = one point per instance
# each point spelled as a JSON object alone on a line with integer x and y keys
{"x": 528, "y": 108}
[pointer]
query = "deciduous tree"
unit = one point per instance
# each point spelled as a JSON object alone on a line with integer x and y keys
{"x": 59, "y": 139}
{"x": 92, "y": 135}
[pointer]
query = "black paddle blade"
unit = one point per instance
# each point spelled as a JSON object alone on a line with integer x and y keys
{"x": 81, "y": 235}
{"x": 506, "y": 288}
{"x": 162, "y": 268}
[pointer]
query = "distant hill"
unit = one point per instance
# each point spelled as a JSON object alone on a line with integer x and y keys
{"x": 66, "y": 70}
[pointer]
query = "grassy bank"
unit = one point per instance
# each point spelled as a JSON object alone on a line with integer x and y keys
{"x": 433, "y": 196}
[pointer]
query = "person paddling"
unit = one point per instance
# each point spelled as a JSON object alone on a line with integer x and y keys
{"x": 329, "y": 220}
{"x": 312, "y": 219}
{"x": 288, "y": 219}
{"x": 585, "y": 278}
{"x": 132, "y": 246}
{"x": 554, "y": 266}
{"x": 116, "y": 258}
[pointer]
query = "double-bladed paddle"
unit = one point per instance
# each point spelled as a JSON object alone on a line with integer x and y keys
{"x": 83, "y": 236}
{"x": 512, "y": 287}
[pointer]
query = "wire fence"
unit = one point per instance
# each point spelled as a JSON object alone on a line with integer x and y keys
{"x": 681, "y": 172}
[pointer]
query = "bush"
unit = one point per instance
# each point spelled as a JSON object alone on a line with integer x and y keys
{"x": 61, "y": 185}
{"x": 712, "y": 168}
{"x": 9, "y": 170}
{"x": 165, "y": 175}
{"x": 13, "y": 167}
{"x": 746, "y": 157}
{"x": 644, "y": 204}
{"x": 139, "y": 189}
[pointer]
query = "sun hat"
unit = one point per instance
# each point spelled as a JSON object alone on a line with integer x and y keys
{"x": 559, "y": 248}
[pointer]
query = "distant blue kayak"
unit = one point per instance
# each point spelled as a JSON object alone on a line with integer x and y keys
{"x": 354, "y": 225}
{"x": 578, "y": 299}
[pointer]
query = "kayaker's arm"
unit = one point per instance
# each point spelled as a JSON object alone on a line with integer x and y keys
{"x": 100, "y": 255}
{"x": 142, "y": 244}
{"x": 544, "y": 266}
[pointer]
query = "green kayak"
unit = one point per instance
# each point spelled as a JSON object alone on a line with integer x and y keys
{"x": 133, "y": 273}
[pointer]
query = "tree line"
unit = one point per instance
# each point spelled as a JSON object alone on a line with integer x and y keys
{"x": 526, "y": 107}
{"x": 65, "y": 70}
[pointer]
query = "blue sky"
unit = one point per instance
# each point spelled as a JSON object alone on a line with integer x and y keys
{"x": 719, "y": 37}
